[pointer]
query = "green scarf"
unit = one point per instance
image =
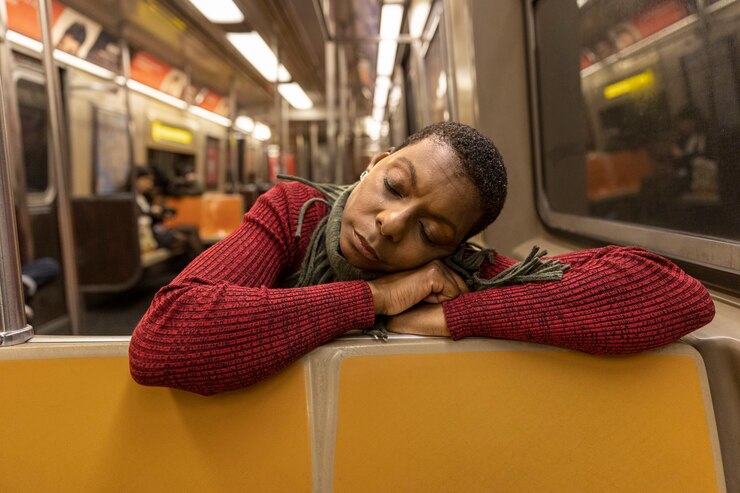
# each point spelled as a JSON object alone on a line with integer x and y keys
{"x": 324, "y": 262}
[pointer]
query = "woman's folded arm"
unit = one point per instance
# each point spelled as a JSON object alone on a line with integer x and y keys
{"x": 612, "y": 300}
{"x": 209, "y": 338}
{"x": 220, "y": 325}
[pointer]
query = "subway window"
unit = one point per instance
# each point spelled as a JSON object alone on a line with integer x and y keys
{"x": 638, "y": 112}
{"x": 33, "y": 114}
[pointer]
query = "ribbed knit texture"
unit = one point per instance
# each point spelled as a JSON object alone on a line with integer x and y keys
{"x": 222, "y": 324}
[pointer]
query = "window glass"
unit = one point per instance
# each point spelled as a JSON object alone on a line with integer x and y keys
{"x": 639, "y": 111}
{"x": 436, "y": 77}
{"x": 33, "y": 116}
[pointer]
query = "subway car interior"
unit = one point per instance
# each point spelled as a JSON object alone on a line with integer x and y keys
{"x": 138, "y": 133}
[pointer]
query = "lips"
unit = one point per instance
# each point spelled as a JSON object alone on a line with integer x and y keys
{"x": 364, "y": 248}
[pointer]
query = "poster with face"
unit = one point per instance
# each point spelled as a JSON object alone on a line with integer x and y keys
{"x": 74, "y": 33}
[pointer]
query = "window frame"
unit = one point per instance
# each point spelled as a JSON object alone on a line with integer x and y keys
{"x": 714, "y": 253}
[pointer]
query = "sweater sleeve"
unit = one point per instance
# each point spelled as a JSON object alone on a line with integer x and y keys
{"x": 612, "y": 300}
{"x": 220, "y": 326}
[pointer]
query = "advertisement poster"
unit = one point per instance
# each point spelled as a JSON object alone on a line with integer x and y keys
{"x": 72, "y": 32}
{"x": 111, "y": 154}
{"x": 212, "y": 101}
{"x": 157, "y": 74}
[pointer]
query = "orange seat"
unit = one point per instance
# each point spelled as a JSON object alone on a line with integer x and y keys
{"x": 220, "y": 215}
{"x": 187, "y": 210}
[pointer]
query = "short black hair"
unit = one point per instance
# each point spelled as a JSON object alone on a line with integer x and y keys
{"x": 480, "y": 161}
{"x": 77, "y": 31}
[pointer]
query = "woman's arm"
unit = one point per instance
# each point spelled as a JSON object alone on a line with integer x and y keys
{"x": 612, "y": 300}
{"x": 219, "y": 326}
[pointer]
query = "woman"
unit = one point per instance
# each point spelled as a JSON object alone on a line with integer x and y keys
{"x": 230, "y": 319}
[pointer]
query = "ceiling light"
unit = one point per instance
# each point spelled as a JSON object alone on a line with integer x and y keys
{"x": 245, "y": 124}
{"x": 382, "y": 86}
{"x": 255, "y": 50}
{"x": 386, "y": 58}
{"x": 261, "y": 132}
{"x": 295, "y": 95}
{"x": 84, "y": 65}
{"x": 378, "y": 113}
{"x": 21, "y": 40}
{"x": 418, "y": 14}
{"x": 390, "y": 21}
{"x": 158, "y": 95}
{"x": 219, "y": 11}
{"x": 210, "y": 116}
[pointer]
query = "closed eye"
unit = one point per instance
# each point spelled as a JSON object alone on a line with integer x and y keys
{"x": 425, "y": 236}
{"x": 393, "y": 190}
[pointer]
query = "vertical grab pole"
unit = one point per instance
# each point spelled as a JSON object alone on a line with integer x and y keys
{"x": 330, "y": 61}
{"x": 13, "y": 327}
{"x": 59, "y": 160}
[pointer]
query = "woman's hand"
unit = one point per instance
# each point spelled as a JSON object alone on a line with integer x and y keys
{"x": 422, "y": 320}
{"x": 433, "y": 283}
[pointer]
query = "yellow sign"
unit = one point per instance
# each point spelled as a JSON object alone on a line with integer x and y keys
{"x": 162, "y": 132}
{"x": 642, "y": 80}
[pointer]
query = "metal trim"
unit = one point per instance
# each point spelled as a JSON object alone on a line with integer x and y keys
{"x": 714, "y": 253}
{"x": 15, "y": 337}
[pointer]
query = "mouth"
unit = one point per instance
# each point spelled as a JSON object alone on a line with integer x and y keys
{"x": 364, "y": 248}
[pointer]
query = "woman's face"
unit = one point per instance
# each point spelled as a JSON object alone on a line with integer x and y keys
{"x": 414, "y": 206}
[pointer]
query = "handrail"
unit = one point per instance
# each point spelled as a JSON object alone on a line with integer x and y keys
{"x": 58, "y": 151}
{"x": 13, "y": 327}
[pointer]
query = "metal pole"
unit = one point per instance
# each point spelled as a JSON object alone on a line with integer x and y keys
{"x": 313, "y": 167}
{"x": 130, "y": 126}
{"x": 278, "y": 107}
{"x": 330, "y": 51}
{"x": 233, "y": 163}
{"x": 343, "y": 115}
{"x": 58, "y": 150}
{"x": 13, "y": 327}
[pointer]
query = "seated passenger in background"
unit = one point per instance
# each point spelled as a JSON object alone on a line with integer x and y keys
{"x": 311, "y": 262}
{"x": 151, "y": 204}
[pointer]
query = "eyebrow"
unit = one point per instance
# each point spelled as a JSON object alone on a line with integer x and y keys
{"x": 412, "y": 172}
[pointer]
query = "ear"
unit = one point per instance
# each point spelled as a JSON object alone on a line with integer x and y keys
{"x": 377, "y": 158}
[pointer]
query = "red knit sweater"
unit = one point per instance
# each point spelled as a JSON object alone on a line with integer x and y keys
{"x": 222, "y": 325}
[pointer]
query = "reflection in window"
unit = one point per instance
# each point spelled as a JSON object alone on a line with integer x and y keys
{"x": 640, "y": 113}
{"x": 33, "y": 116}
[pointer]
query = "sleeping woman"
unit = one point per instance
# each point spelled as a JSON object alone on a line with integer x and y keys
{"x": 389, "y": 253}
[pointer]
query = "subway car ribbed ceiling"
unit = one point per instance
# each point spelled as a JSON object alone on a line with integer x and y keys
{"x": 175, "y": 31}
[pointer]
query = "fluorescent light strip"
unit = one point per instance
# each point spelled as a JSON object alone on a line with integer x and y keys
{"x": 64, "y": 57}
{"x": 255, "y": 50}
{"x": 219, "y": 11}
{"x": 386, "y": 58}
{"x": 390, "y": 21}
{"x": 245, "y": 124}
{"x": 418, "y": 14}
{"x": 378, "y": 113}
{"x": 24, "y": 41}
{"x": 382, "y": 87}
{"x": 83, "y": 65}
{"x": 261, "y": 132}
{"x": 295, "y": 95}
{"x": 158, "y": 95}
{"x": 210, "y": 116}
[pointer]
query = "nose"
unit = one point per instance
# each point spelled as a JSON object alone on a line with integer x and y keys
{"x": 393, "y": 223}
